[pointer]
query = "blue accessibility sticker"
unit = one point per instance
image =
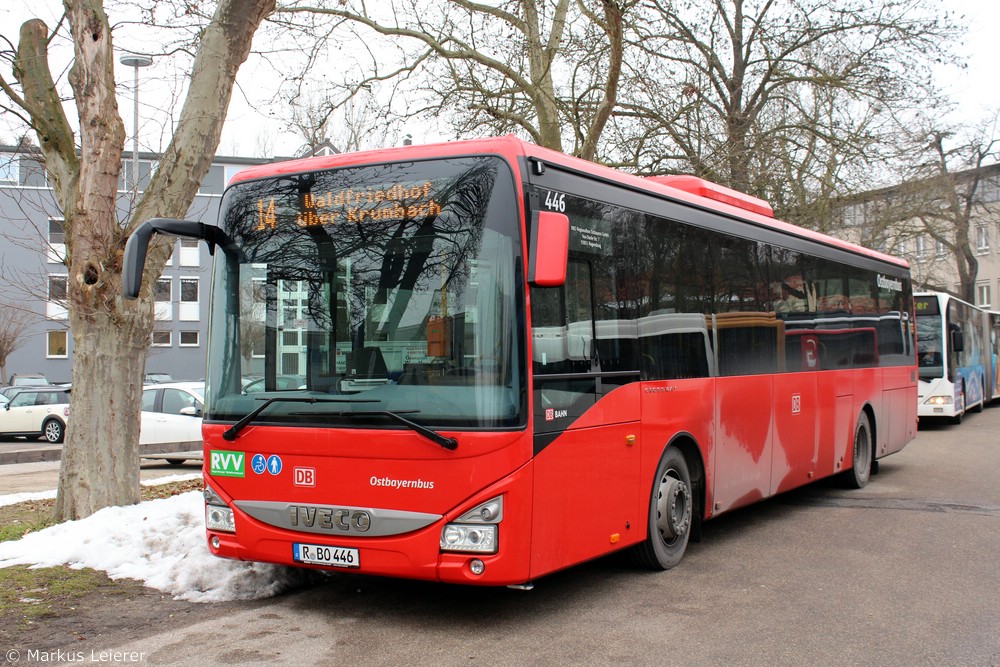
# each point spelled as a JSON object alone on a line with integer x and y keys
{"x": 258, "y": 463}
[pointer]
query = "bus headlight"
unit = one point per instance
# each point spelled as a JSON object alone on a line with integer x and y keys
{"x": 476, "y": 530}
{"x": 218, "y": 515}
{"x": 939, "y": 400}
{"x": 476, "y": 539}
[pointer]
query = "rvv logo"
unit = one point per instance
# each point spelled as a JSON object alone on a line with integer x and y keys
{"x": 226, "y": 464}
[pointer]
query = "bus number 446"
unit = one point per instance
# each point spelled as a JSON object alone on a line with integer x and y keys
{"x": 555, "y": 201}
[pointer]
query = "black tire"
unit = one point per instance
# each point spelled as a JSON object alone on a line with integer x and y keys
{"x": 671, "y": 509}
{"x": 861, "y": 469}
{"x": 54, "y": 431}
{"x": 957, "y": 419}
{"x": 979, "y": 406}
{"x": 175, "y": 462}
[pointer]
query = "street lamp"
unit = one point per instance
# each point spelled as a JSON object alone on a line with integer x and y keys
{"x": 135, "y": 61}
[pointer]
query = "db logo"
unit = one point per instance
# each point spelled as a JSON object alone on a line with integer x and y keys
{"x": 550, "y": 414}
{"x": 304, "y": 476}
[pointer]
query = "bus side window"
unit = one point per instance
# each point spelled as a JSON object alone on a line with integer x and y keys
{"x": 562, "y": 323}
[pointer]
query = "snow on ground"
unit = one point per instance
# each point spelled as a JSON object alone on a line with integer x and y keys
{"x": 159, "y": 542}
{"x": 14, "y": 498}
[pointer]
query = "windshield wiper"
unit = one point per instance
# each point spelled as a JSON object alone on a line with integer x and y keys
{"x": 231, "y": 433}
{"x": 430, "y": 434}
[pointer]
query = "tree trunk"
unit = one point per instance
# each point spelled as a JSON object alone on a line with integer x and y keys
{"x": 106, "y": 397}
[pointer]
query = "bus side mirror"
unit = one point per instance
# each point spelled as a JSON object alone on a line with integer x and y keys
{"x": 138, "y": 244}
{"x": 957, "y": 343}
{"x": 549, "y": 249}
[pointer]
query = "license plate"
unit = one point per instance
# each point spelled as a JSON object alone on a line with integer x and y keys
{"x": 315, "y": 554}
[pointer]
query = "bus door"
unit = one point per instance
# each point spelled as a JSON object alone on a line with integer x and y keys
{"x": 586, "y": 461}
{"x": 803, "y": 450}
{"x": 747, "y": 351}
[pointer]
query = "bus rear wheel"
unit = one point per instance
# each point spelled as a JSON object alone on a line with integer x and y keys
{"x": 857, "y": 477}
{"x": 978, "y": 407}
{"x": 671, "y": 506}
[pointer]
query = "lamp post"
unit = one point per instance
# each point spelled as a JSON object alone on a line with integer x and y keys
{"x": 135, "y": 61}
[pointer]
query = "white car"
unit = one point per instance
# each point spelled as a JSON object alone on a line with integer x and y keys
{"x": 171, "y": 413}
{"x": 36, "y": 411}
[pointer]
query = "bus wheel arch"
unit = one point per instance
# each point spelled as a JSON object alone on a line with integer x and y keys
{"x": 675, "y": 506}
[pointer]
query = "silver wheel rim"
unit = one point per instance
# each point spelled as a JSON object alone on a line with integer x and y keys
{"x": 52, "y": 431}
{"x": 673, "y": 507}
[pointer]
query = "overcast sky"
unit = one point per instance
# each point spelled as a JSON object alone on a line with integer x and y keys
{"x": 252, "y": 129}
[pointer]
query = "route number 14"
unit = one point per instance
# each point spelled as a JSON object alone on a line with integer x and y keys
{"x": 555, "y": 201}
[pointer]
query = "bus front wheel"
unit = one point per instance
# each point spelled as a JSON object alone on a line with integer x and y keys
{"x": 671, "y": 506}
{"x": 957, "y": 419}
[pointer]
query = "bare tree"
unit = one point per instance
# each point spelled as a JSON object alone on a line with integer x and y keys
{"x": 14, "y": 323}
{"x": 760, "y": 95}
{"x": 544, "y": 69}
{"x": 100, "y": 457}
{"x": 942, "y": 197}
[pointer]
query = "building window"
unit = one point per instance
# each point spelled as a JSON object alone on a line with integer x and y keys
{"x": 189, "y": 290}
{"x": 162, "y": 296}
{"x": 58, "y": 288}
{"x": 921, "y": 247}
{"x": 983, "y": 295}
{"x": 189, "y": 339}
{"x": 230, "y": 171}
{"x": 57, "y": 241}
{"x": 56, "y": 344}
{"x": 189, "y": 252}
{"x": 161, "y": 339}
{"x": 982, "y": 239}
{"x": 162, "y": 290}
{"x": 189, "y": 311}
{"x": 10, "y": 169}
{"x": 127, "y": 179}
{"x": 940, "y": 248}
{"x": 55, "y": 308}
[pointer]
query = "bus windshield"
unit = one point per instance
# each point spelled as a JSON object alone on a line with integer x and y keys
{"x": 929, "y": 340}
{"x": 387, "y": 288}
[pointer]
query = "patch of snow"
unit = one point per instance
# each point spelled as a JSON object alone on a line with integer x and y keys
{"x": 161, "y": 543}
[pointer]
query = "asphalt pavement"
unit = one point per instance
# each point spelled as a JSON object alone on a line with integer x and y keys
{"x": 32, "y": 466}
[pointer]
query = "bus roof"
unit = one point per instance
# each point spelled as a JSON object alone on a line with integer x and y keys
{"x": 697, "y": 192}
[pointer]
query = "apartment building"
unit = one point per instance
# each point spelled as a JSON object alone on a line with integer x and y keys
{"x": 894, "y": 220}
{"x": 33, "y": 278}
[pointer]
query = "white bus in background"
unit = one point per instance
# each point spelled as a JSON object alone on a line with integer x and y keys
{"x": 954, "y": 356}
{"x": 993, "y": 355}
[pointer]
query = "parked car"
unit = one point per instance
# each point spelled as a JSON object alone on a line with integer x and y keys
{"x": 281, "y": 383}
{"x": 171, "y": 412}
{"x": 28, "y": 380}
{"x": 36, "y": 411}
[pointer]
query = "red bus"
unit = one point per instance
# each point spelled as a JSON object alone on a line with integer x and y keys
{"x": 482, "y": 362}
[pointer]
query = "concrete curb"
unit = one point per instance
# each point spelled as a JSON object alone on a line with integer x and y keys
{"x": 28, "y": 452}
